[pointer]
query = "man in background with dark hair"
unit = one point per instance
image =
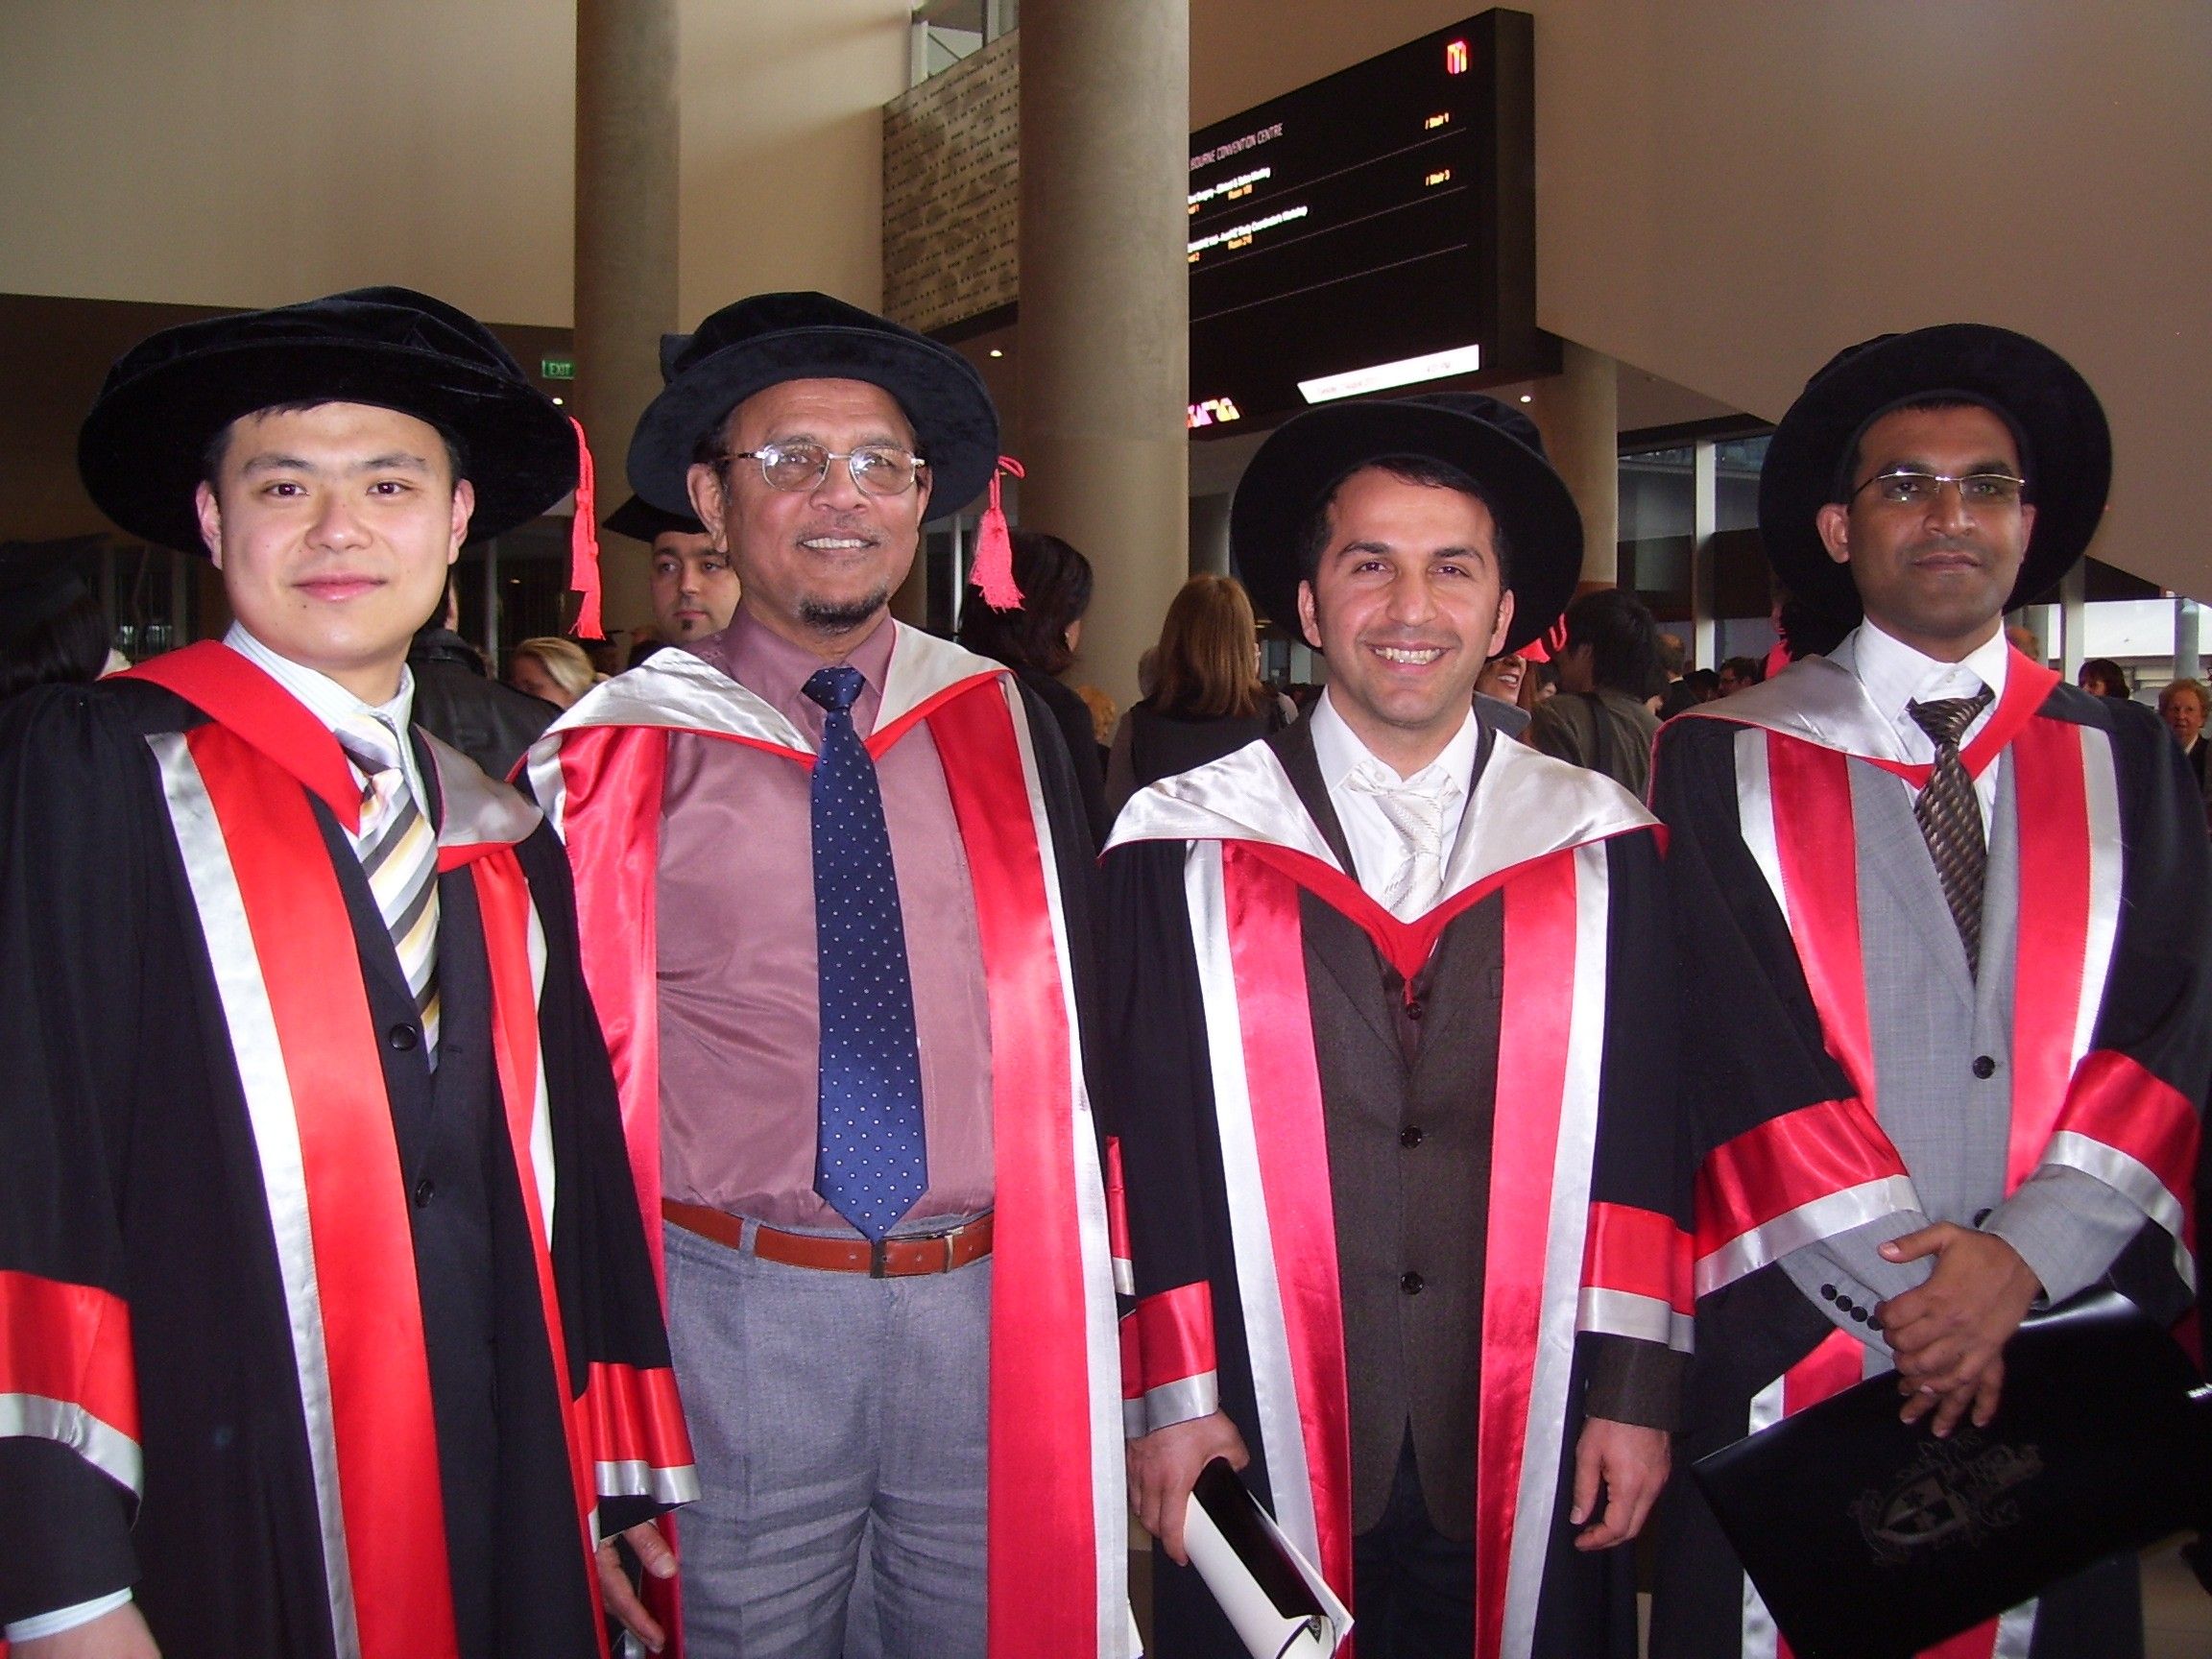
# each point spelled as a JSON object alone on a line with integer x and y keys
{"x": 691, "y": 583}
{"x": 1610, "y": 666}
{"x": 1038, "y": 641}
{"x": 52, "y": 629}
{"x": 490, "y": 723}
{"x": 1739, "y": 674}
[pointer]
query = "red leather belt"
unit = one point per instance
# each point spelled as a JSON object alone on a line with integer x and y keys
{"x": 900, "y": 1257}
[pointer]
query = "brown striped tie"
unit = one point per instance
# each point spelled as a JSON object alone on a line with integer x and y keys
{"x": 1951, "y": 817}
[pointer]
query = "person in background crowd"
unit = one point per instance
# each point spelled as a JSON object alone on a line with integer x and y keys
{"x": 1497, "y": 690}
{"x": 1601, "y": 719}
{"x": 1501, "y": 677}
{"x": 457, "y": 701}
{"x": 2102, "y": 677}
{"x": 1104, "y": 717}
{"x": 312, "y": 1367}
{"x": 1339, "y": 965}
{"x": 52, "y": 629}
{"x": 551, "y": 669}
{"x": 1539, "y": 684}
{"x": 1673, "y": 659}
{"x": 692, "y": 587}
{"x": 2182, "y": 705}
{"x": 1704, "y": 684}
{"x": 1947, "y": 1018}
{"x": 844, "y": 909}
{"x": 1209, "y": 698}
{"x": 2025, "y": 640}
{"x": 1807, "y": 630}
{"x": 1038, "y": 641}
{"x": 1739, "y": 674}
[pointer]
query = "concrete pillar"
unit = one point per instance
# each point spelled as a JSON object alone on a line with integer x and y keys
{"x": 2074, "y": 620}
{"x": 1704, "y": 520}
{"x": 1577, "y": 410}
{"x": 1210, "y": 534}
{"x": 626, "y": 163}
{"x": 1105, "y": 308}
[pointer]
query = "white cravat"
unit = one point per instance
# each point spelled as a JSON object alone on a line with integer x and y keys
{"x": 1379, "y": 846}
{"x": 1415, "y": 807}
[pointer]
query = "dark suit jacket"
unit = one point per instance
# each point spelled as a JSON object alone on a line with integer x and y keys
{"x": 1407, "y": 1089}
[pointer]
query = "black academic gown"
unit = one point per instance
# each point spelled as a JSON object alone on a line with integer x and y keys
{"x": 1759, "y": 1056}
{"x": 1177, "y": 1149}
{"x": 135, "y": 1191}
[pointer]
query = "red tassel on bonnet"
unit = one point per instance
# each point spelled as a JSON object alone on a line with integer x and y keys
{"x": 994, "y": 568}
{"x": 584, "y": 543}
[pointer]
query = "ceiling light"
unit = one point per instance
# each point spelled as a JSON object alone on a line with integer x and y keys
{"x": 1380, "y": 376}
{"x": 1527, "y": 398}
{"x": 996, "y": 353}
{"x": 558, "y": 402}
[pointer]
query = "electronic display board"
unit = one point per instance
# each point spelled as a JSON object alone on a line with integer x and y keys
{"x": 1383, "y": 216}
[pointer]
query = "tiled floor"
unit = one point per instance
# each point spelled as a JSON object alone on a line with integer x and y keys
{"x": 2176, "y": 1612}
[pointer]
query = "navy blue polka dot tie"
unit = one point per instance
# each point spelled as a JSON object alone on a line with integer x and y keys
{"x": 869, "y": 1161}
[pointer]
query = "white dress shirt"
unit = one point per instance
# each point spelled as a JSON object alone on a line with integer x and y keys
{"x": 1377, "y": 848}
{"x": 1894, "y": 675}
{"x": 334, "y": 706}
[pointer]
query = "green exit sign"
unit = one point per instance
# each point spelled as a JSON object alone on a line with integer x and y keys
{"x": 557, "y": 367}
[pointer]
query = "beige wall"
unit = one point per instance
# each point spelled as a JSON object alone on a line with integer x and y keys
{"x": 783, "y": 146}
{"x": 1730, "y": 190}
{"x": 256, "y": 152}
{"x": 261, "y": 150}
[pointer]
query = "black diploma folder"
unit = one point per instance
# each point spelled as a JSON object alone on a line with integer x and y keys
{"x": 1871, "y": 1539}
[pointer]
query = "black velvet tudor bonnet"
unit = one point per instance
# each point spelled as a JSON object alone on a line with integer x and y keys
{"x": 2065, "y": 446}
{"x": 771, "y": 338}
{"x": 140, "y": 448}
{"x": 1305, "y": 458}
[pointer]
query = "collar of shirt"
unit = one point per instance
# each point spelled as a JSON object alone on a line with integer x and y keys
{"x": 775, "y": 670}
{"x": 332, "y": 703}
{"x": 1375, "y": 847}
{"x": 1894, "y": 675}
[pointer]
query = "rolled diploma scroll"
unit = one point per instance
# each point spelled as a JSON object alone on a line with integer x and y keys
{"x": 1277, "y": 1603}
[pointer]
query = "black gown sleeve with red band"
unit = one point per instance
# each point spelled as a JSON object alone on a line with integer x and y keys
{"x": 1753, "y": 1051}
{"x": 135, "y": 1237}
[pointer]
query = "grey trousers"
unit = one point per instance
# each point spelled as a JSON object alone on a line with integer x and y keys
{"x": 831, "y": 1413}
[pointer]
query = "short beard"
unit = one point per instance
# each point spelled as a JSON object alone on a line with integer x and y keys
{"x": 824, "y": 617}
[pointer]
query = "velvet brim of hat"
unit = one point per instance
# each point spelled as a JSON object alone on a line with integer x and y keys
{"x": 140, "y": 448}
{"x": 642, "y": 521}
{"x": 1305, "y": 458}
{"x": 955, "y": 426}
{"x": 2068, "y": 461}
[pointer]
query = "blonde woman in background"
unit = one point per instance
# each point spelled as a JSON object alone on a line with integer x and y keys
{"x": 556, "y": 670}
{"x": 1209, "y": 699}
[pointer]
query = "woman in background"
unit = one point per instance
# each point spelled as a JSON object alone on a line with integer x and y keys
{"x": 1209, "y": 699}
{"x": 556, "y": 670}
{"x": 1038, "y": 643}
{"x": 52, "y": 629}
{"x": 2102, "y": 677}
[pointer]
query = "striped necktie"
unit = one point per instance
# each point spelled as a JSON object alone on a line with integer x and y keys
{"x": 1951, "y": 817}
{"x": 399, "y": 852}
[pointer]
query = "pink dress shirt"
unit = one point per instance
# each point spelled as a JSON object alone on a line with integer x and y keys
{"x": 740, "y": 1026}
